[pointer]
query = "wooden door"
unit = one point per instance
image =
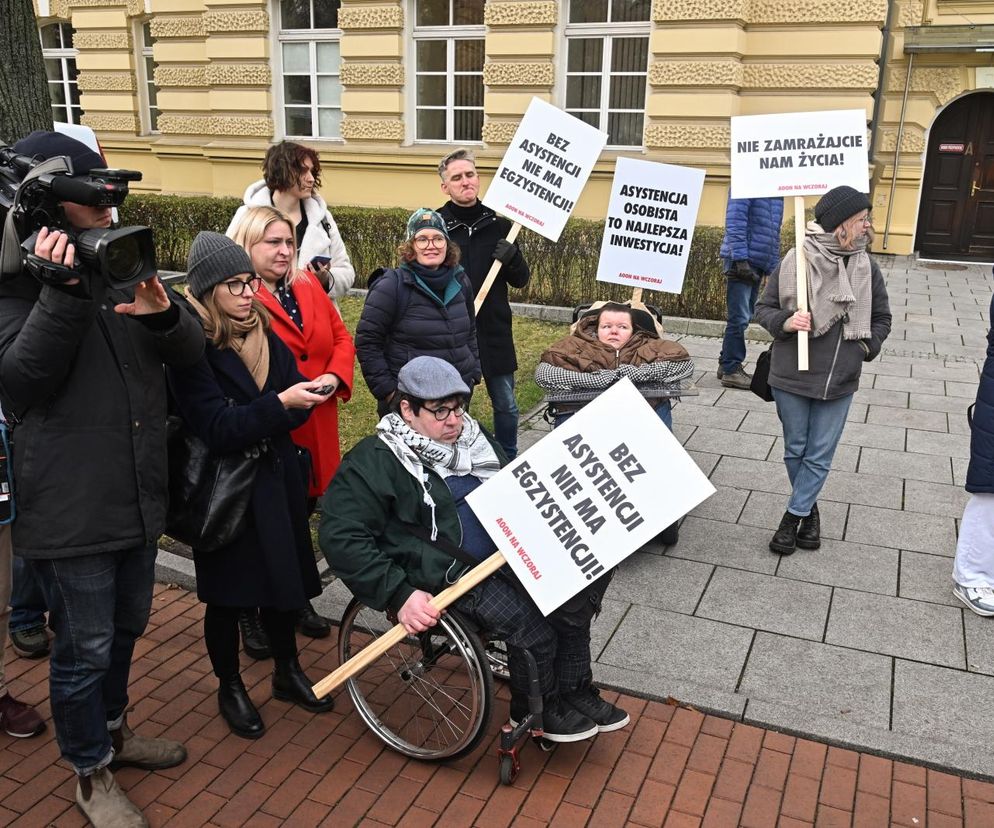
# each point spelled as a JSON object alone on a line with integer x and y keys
{"x": 956, "y": 219}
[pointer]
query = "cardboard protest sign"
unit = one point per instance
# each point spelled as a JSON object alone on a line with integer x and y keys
{"x": 798, "y": 153}
{"x": 588, "y": 495}
{"x": 545, "y": 169}
{"x": 650, "y": 224}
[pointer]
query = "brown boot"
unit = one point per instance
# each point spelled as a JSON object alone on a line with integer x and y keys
{"x": 134, "y": 751}
{"x": 103, "y": 802}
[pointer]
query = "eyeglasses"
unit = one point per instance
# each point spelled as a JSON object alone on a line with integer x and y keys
{"x": 442, "y": 412}
{"x": 424, "y": 242}
{"x": 236, "y": 287}
{"x": 867, "y": 219}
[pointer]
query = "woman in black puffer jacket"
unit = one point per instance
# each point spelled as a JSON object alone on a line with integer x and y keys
{"x": 422, "y": 308}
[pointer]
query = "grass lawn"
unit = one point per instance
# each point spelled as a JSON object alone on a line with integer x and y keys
{"x": 357, "y": 418}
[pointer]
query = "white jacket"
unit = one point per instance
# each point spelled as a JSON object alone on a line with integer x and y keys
{"x": 321, "y": 238}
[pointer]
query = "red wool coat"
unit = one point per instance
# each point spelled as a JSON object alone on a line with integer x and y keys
{"x": 323, "y": 347}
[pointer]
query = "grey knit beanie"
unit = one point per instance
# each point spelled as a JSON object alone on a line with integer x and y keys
{"x": 213, "y": 259}
{"x": 839, "y": 204}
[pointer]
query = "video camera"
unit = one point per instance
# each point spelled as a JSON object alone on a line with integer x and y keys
{"x": 30, "y": 196}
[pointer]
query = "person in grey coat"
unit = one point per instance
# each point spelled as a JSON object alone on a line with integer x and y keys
{"x": 847, "y": 322}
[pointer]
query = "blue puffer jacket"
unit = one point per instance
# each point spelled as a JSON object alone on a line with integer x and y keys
{"x": 752, "y": 233}
{"x": 402, "y": 320}
{"x": 980, "y": 474}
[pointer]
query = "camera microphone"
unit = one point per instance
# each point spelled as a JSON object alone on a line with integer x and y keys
{"x": 66, "y": 188}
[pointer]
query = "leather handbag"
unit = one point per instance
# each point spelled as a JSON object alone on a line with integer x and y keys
{"x": 209, "y": 493}
{"x": 760, "y": 385}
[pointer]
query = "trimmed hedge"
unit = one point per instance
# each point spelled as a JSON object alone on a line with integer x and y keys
{"x": 563, "y": 273}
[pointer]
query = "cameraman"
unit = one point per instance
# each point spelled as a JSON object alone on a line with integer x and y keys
{"x": 81, "y": 377}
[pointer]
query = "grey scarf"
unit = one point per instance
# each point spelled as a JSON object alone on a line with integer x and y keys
{"x": 836, "y": 287}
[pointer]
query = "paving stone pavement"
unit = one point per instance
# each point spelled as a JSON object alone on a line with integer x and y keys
{"x": 671, "y": 766}
{"x": 860, "y": 643}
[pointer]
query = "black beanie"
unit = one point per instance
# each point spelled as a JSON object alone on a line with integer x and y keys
{"x": 837, "y": 205}
{"x": 213, "y": 259}
{"x": 43, "y": 144}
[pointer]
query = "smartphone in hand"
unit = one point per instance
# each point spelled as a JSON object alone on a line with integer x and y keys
{"x": 319, "y": 262}
{"x": 324, "y": 390}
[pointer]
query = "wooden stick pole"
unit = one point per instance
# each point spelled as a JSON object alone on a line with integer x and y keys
{"x": 369, "y": 654}
{"x": 636, "y": 296}
{"x": 494, "y": 270}
{"x": 802, "y": 280}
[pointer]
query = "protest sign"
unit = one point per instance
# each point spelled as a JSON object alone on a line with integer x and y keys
{"x": 588, "y": 495}
{"x": 798, "y": 153}
{"x": 650, "y": 224}
{"x": 545, "y": 169}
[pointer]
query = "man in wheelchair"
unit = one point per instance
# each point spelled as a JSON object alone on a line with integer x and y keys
{"x": 391, "y": 522}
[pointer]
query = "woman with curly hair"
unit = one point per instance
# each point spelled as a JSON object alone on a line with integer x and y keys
{"x": 291, "y": 179}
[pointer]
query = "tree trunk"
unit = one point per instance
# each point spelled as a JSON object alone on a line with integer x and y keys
{"x": 24, "y": 100}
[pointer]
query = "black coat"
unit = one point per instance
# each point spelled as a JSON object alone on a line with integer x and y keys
{"x": 980, "y": 473}
{"x": 400, "y": 321}
{"x": 272, "y": 563}
{"x": 86, "y": 390}
{"x": 477, "y": 240}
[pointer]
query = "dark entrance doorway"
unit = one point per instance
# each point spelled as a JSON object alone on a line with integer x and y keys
{"x": 956, "y": 219}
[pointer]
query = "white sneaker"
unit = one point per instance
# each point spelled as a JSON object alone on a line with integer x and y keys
{"x": 979, "y": 599}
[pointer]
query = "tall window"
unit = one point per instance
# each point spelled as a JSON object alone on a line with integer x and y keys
{"x": 607, "y": 55}
{"x": 150, "y": 113}
{"x": 60, "y": 67}
{"x": 448, "y": 66}
{"x": 310, "y": 55}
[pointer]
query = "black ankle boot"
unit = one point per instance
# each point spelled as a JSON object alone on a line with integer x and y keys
{"x": 809, "y": 530}
{"x": 785, "y": 538}
{"x": 254, "y": 638}
{"x": 290, "y": 683}
{"x": 237, "y": 709}
{"x": 311, "y": 624}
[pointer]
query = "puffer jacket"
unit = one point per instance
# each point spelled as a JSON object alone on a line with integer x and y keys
{"x": 583, "y": 351}
{"x": 752, "y": 233}
{"x": 402, "y": 320}
{"x": 980, "y": 473}
{"x": 834, "y": 363}
{"x": 320, "y": 239}
{"x": 364, "y": 534}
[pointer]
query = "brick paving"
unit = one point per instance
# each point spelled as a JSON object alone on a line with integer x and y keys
{"x": 672, "y": 766}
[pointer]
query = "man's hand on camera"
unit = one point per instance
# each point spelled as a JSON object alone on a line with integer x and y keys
{"x": 150, "y": 297}
{"x": 54, "y": 246}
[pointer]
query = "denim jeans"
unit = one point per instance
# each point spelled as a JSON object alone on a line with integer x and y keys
{"x": 811, "y": 431}
{"x": 27, "y": 601}
{"x": 740, "y": 299}
{"x": 664, "y": 411}
{"x": 500, "y": 387}
{"x": 98, "y": 606}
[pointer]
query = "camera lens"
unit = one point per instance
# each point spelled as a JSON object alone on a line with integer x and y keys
{"x": 124, "y": 259}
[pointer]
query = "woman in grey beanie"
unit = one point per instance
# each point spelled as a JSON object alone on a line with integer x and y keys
{"x": 848, "y": 320}
{"x": 246, "y": 394}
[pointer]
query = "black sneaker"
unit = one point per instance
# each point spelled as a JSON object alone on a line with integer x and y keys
{"x": 605, "y": 715}
{"x": 564, "y": 723}
{"x": 31, "y": 642}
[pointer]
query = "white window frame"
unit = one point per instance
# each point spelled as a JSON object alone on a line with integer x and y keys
{"x": 450, "y": 34}
{"x": 146, "y": 83}
{"x": 312, "y": 37}
{"x": 606, "y": 32}
{"x": 62, "y": 54}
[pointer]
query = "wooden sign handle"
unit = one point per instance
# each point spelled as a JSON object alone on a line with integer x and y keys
{"x": 802, "y": 280}
{"x": 636, "y": 296}
{"x": 369, "y": 654}
{"x": 494, "y": 270}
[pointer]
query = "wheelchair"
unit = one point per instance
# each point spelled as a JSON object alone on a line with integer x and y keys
{"x": 431, "y": 696}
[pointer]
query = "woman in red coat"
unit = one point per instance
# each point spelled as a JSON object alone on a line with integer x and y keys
{"x": 304, "y": 317}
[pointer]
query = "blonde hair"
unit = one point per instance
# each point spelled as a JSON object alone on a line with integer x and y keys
{"x": 852, "y": 230}
{"x": 220, "y": 328}
{"x": 252, "y": 227}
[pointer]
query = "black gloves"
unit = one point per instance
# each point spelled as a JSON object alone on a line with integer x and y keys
{"x": 505, "y": 251}
{"x": 743, "y": 271}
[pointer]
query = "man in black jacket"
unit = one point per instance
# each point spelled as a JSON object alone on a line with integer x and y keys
{"x": 481, "y": 236}
{"x": 81, "y": 377}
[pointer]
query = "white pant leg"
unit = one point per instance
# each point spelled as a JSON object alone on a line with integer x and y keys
{"x": 974, "y": 563}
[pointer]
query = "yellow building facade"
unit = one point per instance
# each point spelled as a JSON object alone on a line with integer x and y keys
{"x": 192, "y": 92}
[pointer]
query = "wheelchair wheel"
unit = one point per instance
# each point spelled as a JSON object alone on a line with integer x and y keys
{"x": 428, "y": 697}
